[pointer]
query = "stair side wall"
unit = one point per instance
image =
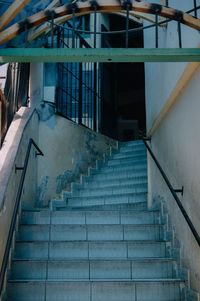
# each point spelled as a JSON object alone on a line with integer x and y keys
{"x": 13, "y": 152}
{"x": 70, "y": 150}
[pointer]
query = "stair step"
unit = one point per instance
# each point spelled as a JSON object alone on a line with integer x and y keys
{"x": 93, "y": 182}
{"x": 132, "y": 148}
{"x": 112, "y": 190}
{"x": 132, "y": 143}
{"x": 117, "y": 176}
{"x": 131, "y": 154}
{"x": 94, "y": 269}
{"x": 138, "y": 166}
{"x": 126, "y": 161}
{"x": 91, "y": 217}
{"x": 91, "y": 250}
{"x": 107, "y": 199}
{"x": 89, "y": 232}
{"x": 156, "y": 290}
{"x": 121, "y": 206}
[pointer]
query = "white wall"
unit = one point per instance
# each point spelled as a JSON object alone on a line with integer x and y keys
{"x": 176, "y": 142}
{"x": 163, "y": 79}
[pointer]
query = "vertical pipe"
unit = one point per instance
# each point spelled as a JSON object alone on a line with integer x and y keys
{"x": 80, "y": 113}
{"x": 71, "y": 91}
{"x": 91, "y": 95}
{"x": 95, "y": 76}
{"x": 156, "y": 29}
{"x": 95, "y": 94}
{"x": 127, "y": 24}
{"x": 52, "y": 33}
{"x": 88, "y": 95}
{"x": 73, "y": 27}
{"x": 167, "y": 3}
{"x": 195, "y": 8}
{"x": 75, "y": 82}
{"x": 179, "y": 35}
{"x": 95, "y": 27}
{"x": 85, "y": 94}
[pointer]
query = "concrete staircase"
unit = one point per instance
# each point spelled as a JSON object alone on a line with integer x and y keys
{"x": 105, "y": 245}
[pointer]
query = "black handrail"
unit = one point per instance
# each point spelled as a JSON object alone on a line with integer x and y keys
{"x": 188, "y": 220}
{"x": 16, "y": 209}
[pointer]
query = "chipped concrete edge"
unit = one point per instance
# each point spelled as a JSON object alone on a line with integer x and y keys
{"x": 61, "y": 202}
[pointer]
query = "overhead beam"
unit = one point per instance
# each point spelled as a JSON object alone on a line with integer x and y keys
{"x": 104, "y": 6}
{"x": 99, "y": 55}
{"x": 47, "y": 26}
{"x": 138, "y": 17}
{"x": 11, "y": 12}
{"x": 53, "y": 4}
{"x": 147, "y": 17}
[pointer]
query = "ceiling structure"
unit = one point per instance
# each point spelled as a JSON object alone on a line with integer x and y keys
{"x": 19, "y": 17}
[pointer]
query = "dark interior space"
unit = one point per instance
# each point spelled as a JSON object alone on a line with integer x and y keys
{"x": 123, "y": 87}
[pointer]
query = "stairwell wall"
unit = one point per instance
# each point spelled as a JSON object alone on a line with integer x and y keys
{"x": 24, "y": 126}
{"x": 13, "y": 152}
{"x": 70, "y": 150}
{"x": 176, "y": 142}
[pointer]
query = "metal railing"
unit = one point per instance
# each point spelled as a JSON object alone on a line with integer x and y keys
{"x": 16, "y": 210}
{"x": 127, "y": 31}
{"x": 174, "y": 193}
{"x": 79, "y": 94}
{"x": 78, "y": 84}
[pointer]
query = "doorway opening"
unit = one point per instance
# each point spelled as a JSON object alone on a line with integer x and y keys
{"x": 123, "y": 86}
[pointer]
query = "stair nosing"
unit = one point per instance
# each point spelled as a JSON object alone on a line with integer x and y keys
{"x": 173, "y": 280}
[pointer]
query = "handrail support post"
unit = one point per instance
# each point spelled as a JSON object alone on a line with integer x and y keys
{"x": 18, "y": 168}
{"x": 180, "y": 190}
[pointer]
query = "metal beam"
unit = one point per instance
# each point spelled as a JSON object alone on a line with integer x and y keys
{"x": 99, "y": 55}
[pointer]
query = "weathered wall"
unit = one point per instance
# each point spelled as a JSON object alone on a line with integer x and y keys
{"x": 69, "y": 150}
{"x": 13, "y": 151}
{"x": 176, "y": 141}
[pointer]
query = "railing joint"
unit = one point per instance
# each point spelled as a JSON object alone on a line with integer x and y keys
{"x": 18, "y": 168}
{"x": 179, "y": 190}
{"x": 38, "y": 154}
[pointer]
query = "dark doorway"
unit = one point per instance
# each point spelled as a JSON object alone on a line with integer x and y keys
{"x": 123, "y": 87}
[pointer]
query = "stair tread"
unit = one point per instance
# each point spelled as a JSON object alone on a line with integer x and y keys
{"x": 94, "y": 225}
{"x": 67, "y": 253}
{"x": 99, "y": 280}
{"x": 103, "y": 196}
{"x": 97, "y": 241}
{"x": 139, "y": 259}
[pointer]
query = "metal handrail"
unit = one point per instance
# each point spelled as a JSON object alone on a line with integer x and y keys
{"x": 16, "y": 209}
{"x": 173, "y": 191}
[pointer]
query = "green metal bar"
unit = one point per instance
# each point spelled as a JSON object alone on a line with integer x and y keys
{"x": 99, "y": 55}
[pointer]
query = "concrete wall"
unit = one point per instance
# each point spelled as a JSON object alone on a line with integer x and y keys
{"x": 176, "y": 142}
{"x": 69, "y": 150}
{"x": 13, "y": 151}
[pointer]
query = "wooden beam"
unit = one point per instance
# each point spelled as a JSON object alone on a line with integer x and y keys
{"x": 187, "y": 75}
{"x": 99, "y": 55}
{"x": 46, "y": 26}
{"x": 105, "y": 6}
{"x": 11, "y": 12}
{"x": 146, "y": 17}
{"x": 31, "y": 32}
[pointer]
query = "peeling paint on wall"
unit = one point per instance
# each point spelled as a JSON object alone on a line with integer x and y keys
{"x": 42, "y": 189}
{"x": 70, "y": 149}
